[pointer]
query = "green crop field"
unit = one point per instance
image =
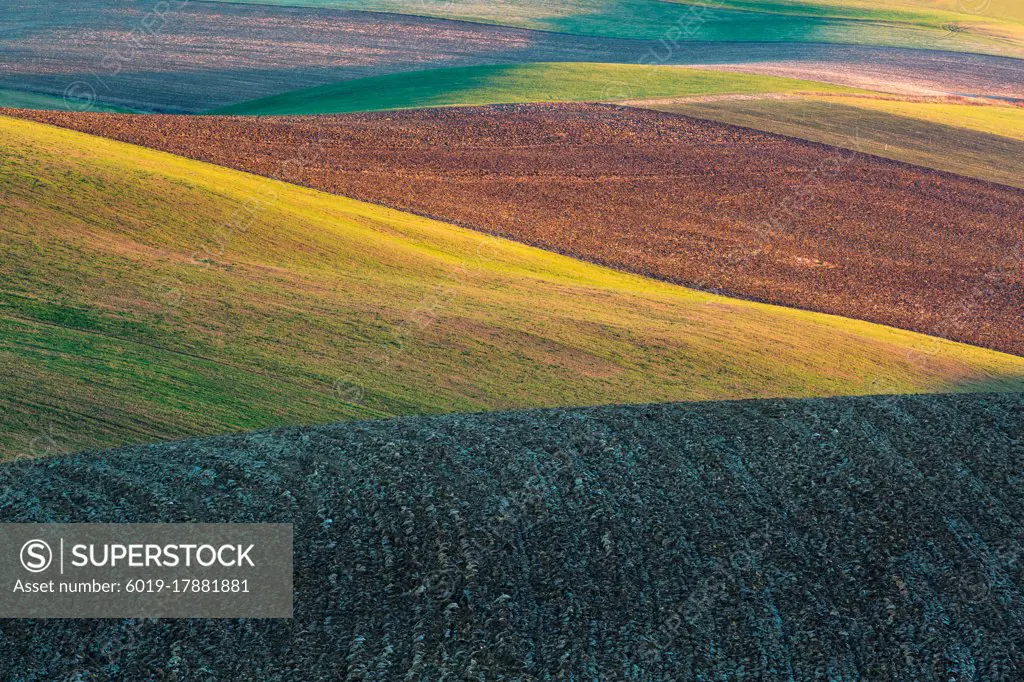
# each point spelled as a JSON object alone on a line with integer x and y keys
{"x": 127, "y": 318}
{"x": 994, "y": 28}
{"x": 19, "y": 99}
{"x": 1007, "y": 121}
{"x": 508, "y": 84}
{"x": 956, "y": 138}
{"x": 922, "y": 12}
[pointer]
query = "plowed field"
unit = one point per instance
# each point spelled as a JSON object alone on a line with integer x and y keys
{"x": 705, "y": 204}
{"x": 866, "y": 538}
{"x": 197, "y": 56}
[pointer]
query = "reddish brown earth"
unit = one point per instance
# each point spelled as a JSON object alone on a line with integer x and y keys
{"x": 704, "y": 204}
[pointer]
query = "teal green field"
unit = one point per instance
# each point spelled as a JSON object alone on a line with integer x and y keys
{"x": 932, "y": 24}
{"x": 511, "y": 84}
{"x": 19, "y": 99}
{"x": 212, "y": 55}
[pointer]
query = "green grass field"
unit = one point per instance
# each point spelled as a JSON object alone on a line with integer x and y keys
{"x": 951, "y": 137}
{"x": 1007, "y": 121}
{"x": 934, "y": 24}
{"x": 19, "y": 99}
{"x": 508, "y": 84}
{"x": 923, "y": 12}
{"x": 145, "y": 296}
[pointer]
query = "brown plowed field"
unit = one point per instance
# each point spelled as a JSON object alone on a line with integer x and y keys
{"x": 705, "y": 204}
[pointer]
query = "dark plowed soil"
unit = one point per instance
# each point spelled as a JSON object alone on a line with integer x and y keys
{"x": 865, "y": 538}
{"x": 704, "y": 204}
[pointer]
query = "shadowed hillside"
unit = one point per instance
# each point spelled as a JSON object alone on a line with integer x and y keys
{"x": 145, "y": 296}
{"x": 968, "y": 27}
{"x": 865, "y": 538}
{"x": 697, "y": 203}
{"x": 202, "y": 55}
{"x": 504, "y": 84}
{"x": 984, "y": 142}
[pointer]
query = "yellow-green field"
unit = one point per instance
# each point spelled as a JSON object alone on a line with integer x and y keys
{"x": 520, "y": 83}
{"x": 1007, "y": 121}
{"x": 145, "y": 296}
{"x": 979, "y": 141}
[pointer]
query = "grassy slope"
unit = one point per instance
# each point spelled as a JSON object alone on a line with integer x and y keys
{"x": 919, "y": 12}
{"x": 953, "y": 138}
{"x": 1007, "y": 121}
{"x": 864, "y": 538}
{"x": 838, "y": 21}
{"x": 1001, "y": 9}
{"x": 507, "y": 84}
{"x": 20, "y": 99}
{"x": 311, "y": 308}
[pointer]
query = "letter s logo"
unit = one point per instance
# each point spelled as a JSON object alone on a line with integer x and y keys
{"x": 36, "y": 556}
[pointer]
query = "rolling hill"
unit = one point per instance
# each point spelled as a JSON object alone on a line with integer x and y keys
{"x": 205, "y": 55}
{"x": 575, "y": 340}
{"x": 919, "y": 25}
{"x": 1005, "y": 121}
{"x": 722, "y": 208}
{"x": 856, "y": 538}
{"x": 505, "y": 84}
{"x": 984, "y": 142}
{"x": 147, "y": 296}
{"x": 20, "y": 99}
